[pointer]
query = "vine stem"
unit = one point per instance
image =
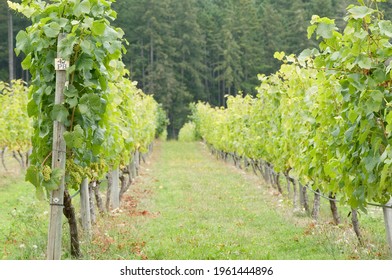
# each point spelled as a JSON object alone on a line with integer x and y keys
{"x": 46, "y": 158}
{"x": 72, "y": 118}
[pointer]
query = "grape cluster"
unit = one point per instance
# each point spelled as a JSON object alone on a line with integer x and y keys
{"x": 46, "y": 172}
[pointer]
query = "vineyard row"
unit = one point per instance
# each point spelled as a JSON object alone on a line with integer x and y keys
{"x": 89, "y": 120}
{"x": 325, "y": 117}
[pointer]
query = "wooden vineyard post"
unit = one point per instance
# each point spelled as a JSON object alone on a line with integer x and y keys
{"x": 388, "y": 223}
{"x": 2, "y": 158}
{"x": 288, "y": 184}
{"x": 137, "y": 161}
{"x": 58, "y": 161}
{"x": 98, "y": 198}
{"x": 115, "y": 191}
{"x": 305, "y": 201}
{"x": 316, "y": 205}
{"x": 295, "y": 195}
{"x": 93, "y": 216}
{"x": 85, "y": 207}
{"x": 133, "y": 166}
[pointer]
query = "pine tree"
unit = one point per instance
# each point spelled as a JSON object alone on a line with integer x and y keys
{"x": 10, "y": 68}
{"x": 129, "y": 18}
{"x": 272, "y": 32}
{"x": 191, "y": 46}
{"x": 228, "y": 68}
{"x": 210, "y": 20}
{"x": 11, "y": 63}
{"x": 250, "y": 44}
{"x": 3, "y": 43}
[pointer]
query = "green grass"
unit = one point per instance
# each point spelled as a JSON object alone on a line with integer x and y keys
{"x": 201, "y": 208}
{"x": 188, "y": 205}
{"x": 209, "y": 211}
{"x": 23, "y": 220}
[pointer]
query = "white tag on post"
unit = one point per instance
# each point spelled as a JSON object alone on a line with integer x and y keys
{"x": 61, "y": 64}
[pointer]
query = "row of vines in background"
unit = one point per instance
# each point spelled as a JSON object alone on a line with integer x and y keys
{"x": 15, "y": 125}
{"x": 325, "y": 117}
{"x": 107, "y": 122}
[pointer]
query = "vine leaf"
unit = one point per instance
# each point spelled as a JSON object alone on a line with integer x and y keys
{"x": 32, "y": 176}
{"x": 89, "y": 105}
{"x": 84, "y": 63}
{"x": 59, "y": 113}
{"x": 26, "y": 63}
{"x": 52, "y": 30}
{"x": 370, "y": 162}
{"x": 22, "y": 42}
{"x": 83, "y": 8}
{"x": 55, "y": 178}
{"x": 98, "y": 28}
{"x": 364, "y": 62}
{"x": 385, "y": 28}
{"x": 66, "y": 46}
{"x": 325, "y": 30}
{"x": 71, "y": 91}
{"x": 74, "y": 139}
{"x": 389, "y": 122}
{"x": 359, "y": 12}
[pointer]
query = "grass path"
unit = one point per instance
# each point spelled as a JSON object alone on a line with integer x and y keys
{"x": 192, "y": 206}
{"x": 188, "y": 205}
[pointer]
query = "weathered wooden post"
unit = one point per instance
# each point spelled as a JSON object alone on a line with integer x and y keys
{"x": 130, "y": 168}
{"x": 316, "y": 205}
{"x": 295, "y": 195}
{"x": 93, "y": 215}
{"x": 98, "y": 197}
{"x": 85, "y": 207}
{"x": 288, "y": 184}
{"x": 137, "y": 161}
{"x": 133, "y": 166}
{"x": 388, "y": 222}
{"x": 305, "y": 202}
{"x": 114, "y": 188}
{"x": 58, "y": 161}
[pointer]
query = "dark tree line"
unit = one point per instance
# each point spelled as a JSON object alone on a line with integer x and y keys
{"x": 10, "y": 24}
{"x": 184, "y": 51}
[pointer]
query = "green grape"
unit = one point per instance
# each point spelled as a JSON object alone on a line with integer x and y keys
{"x": 74, "y": 174}
{"x": 46, "y": 172}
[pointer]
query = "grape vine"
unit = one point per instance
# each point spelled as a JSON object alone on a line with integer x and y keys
{"x": 106, "y": 116}
{"x": 15, "y": 125}
{"x": 107, "y": 120}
